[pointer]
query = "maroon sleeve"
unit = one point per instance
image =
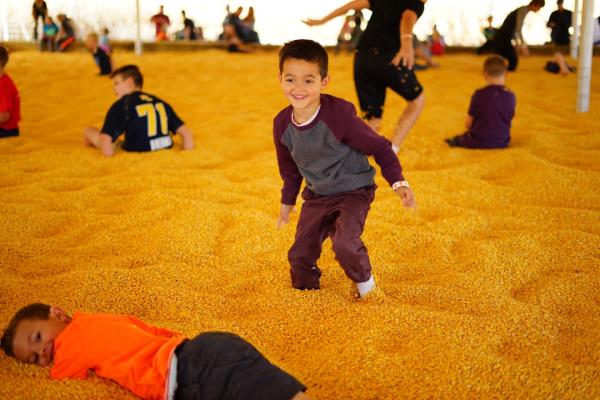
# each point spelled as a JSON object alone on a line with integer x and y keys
{"x": 288, "y": 170}
{"x": 354, "y": 132}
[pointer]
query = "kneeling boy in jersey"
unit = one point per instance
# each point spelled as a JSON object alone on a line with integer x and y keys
{"x": 491, "y": 111}
{"x": 10, "y": 102}
{"x": 153, "y": 363}
{"x": 146, "y": 120}
{"x": 319, "y": 138}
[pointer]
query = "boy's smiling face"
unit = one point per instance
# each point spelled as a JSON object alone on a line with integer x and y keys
{"x": 302, "y": 84}
{"x": 34, "y": 338}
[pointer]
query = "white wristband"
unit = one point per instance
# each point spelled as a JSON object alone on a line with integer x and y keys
{"x": 398, "y": 184}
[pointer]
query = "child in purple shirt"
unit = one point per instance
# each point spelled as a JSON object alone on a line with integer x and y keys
{"x": 320, "y": 139}
{"x": 491, "y": 111}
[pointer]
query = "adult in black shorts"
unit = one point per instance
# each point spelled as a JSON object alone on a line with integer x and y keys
{"x": 384, "y": 59}
{"x": 511, "y": 28}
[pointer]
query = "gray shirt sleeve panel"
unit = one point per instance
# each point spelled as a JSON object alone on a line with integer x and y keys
{"x": 521, "y": 14}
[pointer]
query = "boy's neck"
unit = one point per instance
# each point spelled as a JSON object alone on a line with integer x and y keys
{"x": 1, "y": 72}
{"x": 303, "y": 115}
{"x": 497, "y": 80}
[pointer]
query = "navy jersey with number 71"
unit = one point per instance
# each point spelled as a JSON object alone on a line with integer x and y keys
{"x": 146, "y": 121}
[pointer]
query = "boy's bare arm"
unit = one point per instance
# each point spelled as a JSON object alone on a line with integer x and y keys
{"x": 106, "y": 145}
{"x": 352, "y": 5}
{"x": 4, "y": 116}
{"x": 469, "y": 121}
{"x": 187, "y": 139}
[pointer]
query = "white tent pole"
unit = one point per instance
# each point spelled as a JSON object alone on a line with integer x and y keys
{"x": 575, "y": 23}
{"x": 138, "y": 36}
{"x": 585, "y": 56}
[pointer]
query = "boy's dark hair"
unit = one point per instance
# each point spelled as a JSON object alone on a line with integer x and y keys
{"x": 495, "y": 66}
{"x": 32, "y": 311}
{"x": 130, "y": 71}
{"x": 307, "y": 50}
{"x": 539, "y": 3}
{"x": 3, "y": 56}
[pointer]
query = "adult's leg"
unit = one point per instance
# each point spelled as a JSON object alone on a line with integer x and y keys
{"x": 404, "y": 82}
{"x": 348, "y": 247}
{"x": 312, "y": 229}
{"x": 408, "y": 118}
{"x": 370, "y": 91}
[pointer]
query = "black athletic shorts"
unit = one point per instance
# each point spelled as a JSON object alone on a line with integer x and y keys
{"x": 9, "y": 132}
{"x": 373, "y": 73}
{"x": 223, "y": 366}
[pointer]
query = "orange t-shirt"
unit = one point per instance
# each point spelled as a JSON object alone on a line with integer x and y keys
{"x": 124, "y": 349}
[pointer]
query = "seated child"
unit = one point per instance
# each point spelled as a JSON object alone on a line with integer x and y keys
{"x": 153, "y": 363}
{"x": 319, "y": 138}
{"x": 491, "y": 111}
{"x": 10, "y": 102}
{"x": 66, "y": 33}
{"x": 101, "y": 56}
{"x": 145, "y": 119}
{"x": 49, "y": 35}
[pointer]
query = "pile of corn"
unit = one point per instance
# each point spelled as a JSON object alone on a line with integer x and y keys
{"x": 491, "y": 289}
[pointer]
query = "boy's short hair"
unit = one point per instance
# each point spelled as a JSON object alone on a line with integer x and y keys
{"x": 130, "y": 71}
{"x": 30, "y": 312}
{"x": 307, "y": 50}
{"x": 539, "y": 3}
{"x": 495, "y": 66}
{"x": 3, "y": 56}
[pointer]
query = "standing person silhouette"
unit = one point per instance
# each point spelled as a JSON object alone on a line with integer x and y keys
{"x": 384, "y": 59}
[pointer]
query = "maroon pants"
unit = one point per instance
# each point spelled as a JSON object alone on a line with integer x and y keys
{"x": 342, "y": 217}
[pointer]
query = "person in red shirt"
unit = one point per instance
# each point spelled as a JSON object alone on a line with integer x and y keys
{"x": 162, "y": 22}
{"x": 153, "y": 363}
{"x": 10, "y": 103}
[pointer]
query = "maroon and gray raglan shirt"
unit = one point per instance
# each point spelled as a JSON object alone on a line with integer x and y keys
{"x": 331, "y": 152}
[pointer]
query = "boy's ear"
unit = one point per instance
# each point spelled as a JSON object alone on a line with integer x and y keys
{"x": 325, "y": 81}
{"x": 59, "y": 314}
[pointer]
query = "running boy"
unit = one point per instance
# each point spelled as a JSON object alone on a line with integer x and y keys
{"x": 145, "y": 119}
{"x": 320, "y": 138}
{"x": 101, "y": 56}
{"x": 153, "y": 363}
{"x": 491, "y": 111}
{"x": 10, "y": 102}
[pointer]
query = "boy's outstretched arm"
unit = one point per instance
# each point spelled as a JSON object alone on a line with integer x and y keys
{"x": 353, "y": 5}
{"x": 187, "y": 139}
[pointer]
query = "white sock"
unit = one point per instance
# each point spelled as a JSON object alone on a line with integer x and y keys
{"x": 364, "y": 288}
{"x": 395, "y": 148}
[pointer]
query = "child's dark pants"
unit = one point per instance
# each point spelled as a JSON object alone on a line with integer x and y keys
{"x": 223, "y": 366}
{"x": 342, "y": 218}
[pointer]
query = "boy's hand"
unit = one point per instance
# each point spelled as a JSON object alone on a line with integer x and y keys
{"x": 284, "y": 215}
{"x": 313, "y": 22}
{"x": 407, "y": 196}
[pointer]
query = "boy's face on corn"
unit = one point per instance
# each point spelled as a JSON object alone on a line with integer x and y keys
{"x": 34, "y": 338}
